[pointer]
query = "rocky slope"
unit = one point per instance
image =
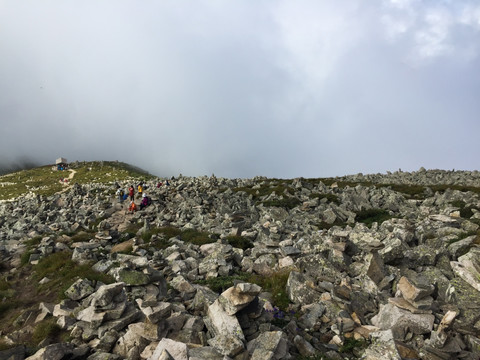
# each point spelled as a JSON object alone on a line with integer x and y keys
{"x": 353, "y": 267}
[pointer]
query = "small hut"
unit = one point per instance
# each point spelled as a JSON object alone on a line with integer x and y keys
{"x": 61, "y": 164}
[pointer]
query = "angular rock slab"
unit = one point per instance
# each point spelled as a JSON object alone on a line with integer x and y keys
{"x": 80, "y": 289}
{"x": 238, "y": 297}
{"x": 269, "y": 345}
{"x": 106, "y": 294}
{"x": 383, "y": 347}
{"x": 468, "y": 266}
{"x": 299, "y": 292}
{"x": 228, "y": 345}
{"x": 53, "y": 352}
{"x": 220, "y": 323}
{"x": 414, "y": 290}
{"x": 175, "y": 349}
{"x": 396, "y": 319}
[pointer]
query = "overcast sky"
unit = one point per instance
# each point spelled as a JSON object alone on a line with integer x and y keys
{"x": 240, "y": 88}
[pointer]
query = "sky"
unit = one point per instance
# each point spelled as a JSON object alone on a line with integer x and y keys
{"x": 242, "y": 88}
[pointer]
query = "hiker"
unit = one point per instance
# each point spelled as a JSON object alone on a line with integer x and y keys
{"x": 132, "y": 208}
{"x": 120, "y": 193}
{"x": 140, "y": 189}
{"x": 145, "y": 201}
{"x": 131, "y": 193}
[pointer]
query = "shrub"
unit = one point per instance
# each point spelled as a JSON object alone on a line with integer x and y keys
{"x": 286, "y": 202}
{"x": 330, "y": 197}
{"x": 45, "y": 329}
{"x": 64, "y": 271}
{"x": 369, "y": 216}
{"x": 239, "y": 242}
{"x": 33, "y": 241}
{"x": 350, "y": 344}
{"x": 25, "y": 257}
{"x": 276, "y": 284}
{"x": 324, "y": 225}
{"x": 221, "y": 283}
{"x": 82, "y": 236}
{"x": 5, "y": 306}
{"x": 196, "y": 237}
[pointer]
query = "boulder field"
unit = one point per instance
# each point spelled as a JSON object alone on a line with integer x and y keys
{"x": 381, "y": 266}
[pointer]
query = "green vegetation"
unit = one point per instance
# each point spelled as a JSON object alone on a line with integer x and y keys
{"x": 221, "y": 283}
{"x": 189, "y": 235}
{"x": 286, "y": 202}
{"x": 25, "y": 257}
{"x": 464, "y": 235}
{"x": 7, "y": 305}
{"x": 45, "y": 329}
{"x": 276, "y": 284}
{"x": 239, "y": 242}
{"x": 332, "y": 198}
{"x": 350, "y": 344}
{"x": 325, "y": 226}
{"x": 46, "y": 181}
{"x": 63, "y": 272}
{"x": 83, "y": 236}
{"x": 369, "y": 216}
{"x": 313, "y": 357}
{"x": 410, "y": 191}
{"x": 277, "y": 186}
{"x": 466, "y": 212}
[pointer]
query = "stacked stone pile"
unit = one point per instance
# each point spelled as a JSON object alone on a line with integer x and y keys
{"x": 408, "y": 288}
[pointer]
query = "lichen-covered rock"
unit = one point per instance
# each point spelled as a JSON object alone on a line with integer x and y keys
{"x": 80, "y": 289}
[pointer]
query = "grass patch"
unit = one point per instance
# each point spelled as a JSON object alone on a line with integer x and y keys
{"x": 6, "y": 291}
{"x": 82, "y": 236}
{"x": 190, "y": 235}
{"x": 63, "y": 272}
{"x": 196, "y": 237}
{"x": 45, "y": 329}
{"x": 132, "y": 229}
{"x": 221, "y": 283}
{"x": 286, "y": 202}
{"x": 34, "y": 241}
{"x": 466, "y": 212}
{"x": 464, "y": 235}
{"x": 369, "y": 216}
{"x": 331, "y": 198}
{"x": 239, "y": 242}
{"x": 93, "y": 225}
{"x": 6, "y": 306}
{"x": 46, "y": 181}
{"x": 267, "y": 188}
{"x": 275, "y": 284}
{"x": 322, "y": 225}
{"x": 350, "y": 344}
{"x": 25, "y": 257}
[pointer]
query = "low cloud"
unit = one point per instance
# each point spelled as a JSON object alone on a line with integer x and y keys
{"x": 240, "y": 89}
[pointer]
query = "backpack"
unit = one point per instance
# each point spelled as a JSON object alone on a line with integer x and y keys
{"x": 149, "y": 200}
{"x": 122, "y": 193}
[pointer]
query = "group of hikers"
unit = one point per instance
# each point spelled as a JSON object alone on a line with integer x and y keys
{"x": 130, "y": 193}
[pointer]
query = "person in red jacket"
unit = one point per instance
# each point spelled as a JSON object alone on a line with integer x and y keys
{"x": 131, "y": 193}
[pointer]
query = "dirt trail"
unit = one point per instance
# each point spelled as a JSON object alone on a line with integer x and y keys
{"x": 68, "y": 183}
